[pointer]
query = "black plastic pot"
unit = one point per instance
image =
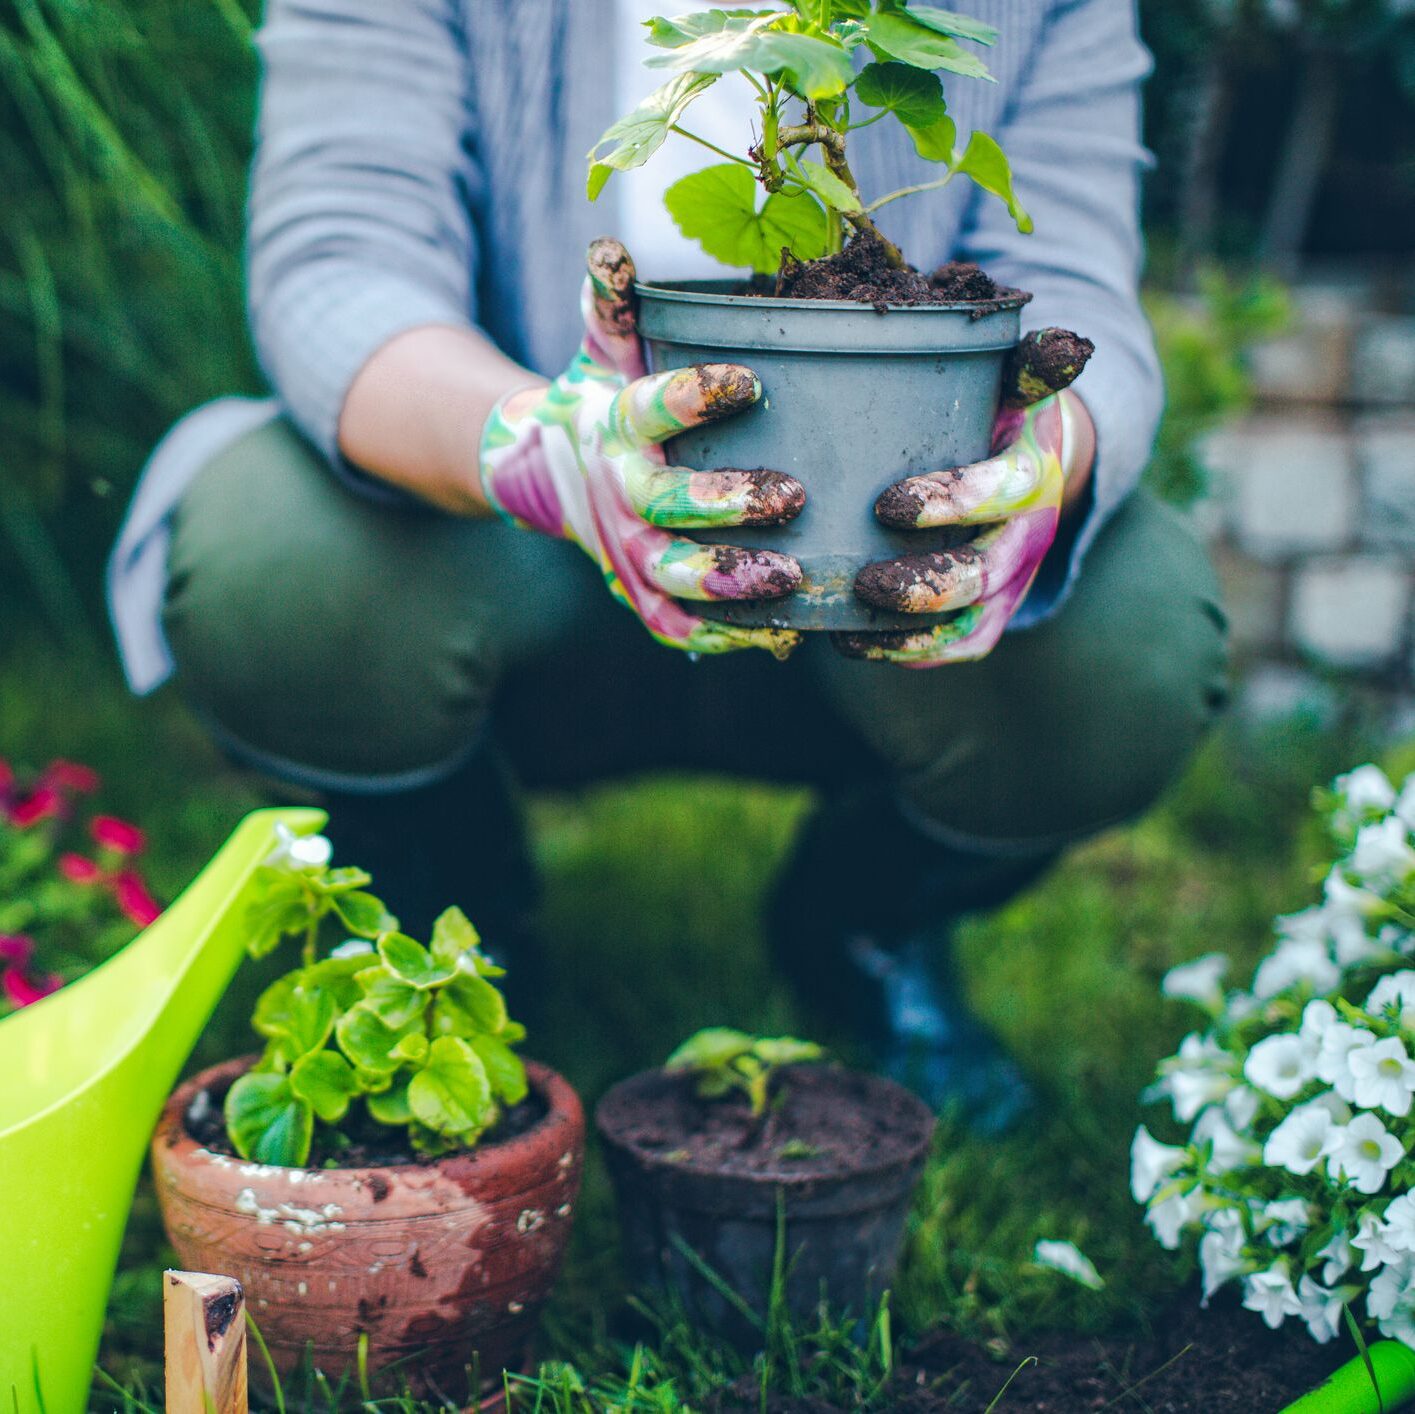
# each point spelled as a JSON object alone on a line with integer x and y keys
{"x": 841, "y": 1229}
{"x": 853, "y": 400}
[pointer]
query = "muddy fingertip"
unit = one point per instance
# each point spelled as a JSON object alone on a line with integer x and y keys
{"x": 725, "y": 388}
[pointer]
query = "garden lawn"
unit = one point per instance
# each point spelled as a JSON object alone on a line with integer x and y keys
{"x": 650, "y": 913}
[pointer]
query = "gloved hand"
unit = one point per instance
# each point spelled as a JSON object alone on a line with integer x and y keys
{"x": 1017, "y": 492}
{"x": 581, "y": 460}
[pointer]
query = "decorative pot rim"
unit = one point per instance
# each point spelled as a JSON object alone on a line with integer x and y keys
{"x": 557, "y": 1133}
{"x": 910, "y": 1155}
{"x": 718, "y": 293}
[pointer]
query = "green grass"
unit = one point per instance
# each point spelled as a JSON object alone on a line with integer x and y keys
{"x": 651, "y": 916}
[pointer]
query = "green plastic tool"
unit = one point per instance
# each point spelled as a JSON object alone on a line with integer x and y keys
{"x": 1349, "y": 1389}
{"x": 83, "y": 1077}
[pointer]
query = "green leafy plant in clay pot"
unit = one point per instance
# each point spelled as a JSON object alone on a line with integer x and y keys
{"x": 745, "y": 1166}
{"x": 853, "y": 402}
{"x": 388, "y": 1170}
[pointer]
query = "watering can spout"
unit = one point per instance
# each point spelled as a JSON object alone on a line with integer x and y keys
{"x": 83, "y": 1076}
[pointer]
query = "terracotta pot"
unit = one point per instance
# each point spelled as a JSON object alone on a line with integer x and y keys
{"x": 444, "y": 1265}
{"x": 843, "y": 1227}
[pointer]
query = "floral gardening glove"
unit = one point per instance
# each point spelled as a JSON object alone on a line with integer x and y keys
{"x": 1017, "y": 492}
{"x": 581, "y": 460}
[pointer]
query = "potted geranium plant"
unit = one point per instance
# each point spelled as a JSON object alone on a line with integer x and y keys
{"x": 744, "y": 1161}
{"x": 388, "y": 1170}
{"x": 71, "y": 887}
{"x": 853, "y": 402}
{"x": 1297, "y": 1095}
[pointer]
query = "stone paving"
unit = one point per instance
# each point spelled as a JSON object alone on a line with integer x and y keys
{"x": 1311, "y": 512}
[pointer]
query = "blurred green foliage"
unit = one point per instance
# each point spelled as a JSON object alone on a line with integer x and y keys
{"x": 1203, "y": 340}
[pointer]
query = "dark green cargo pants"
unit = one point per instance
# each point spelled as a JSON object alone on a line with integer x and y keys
{"x": 348, "y": 644}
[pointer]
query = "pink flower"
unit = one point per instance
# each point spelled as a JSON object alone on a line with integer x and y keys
{"x": 15, "y": 949}
{"x": 24, "y": 991}
{"x": 109, "y": 832}
{"x": 78, "y": 869}
{"x": 133, "y": 898}
{"x": 70, "y": 775}
{"x": 40, "y": 804}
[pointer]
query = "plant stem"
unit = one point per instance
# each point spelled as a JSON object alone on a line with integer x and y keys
{"x": 910, "y": 191}
{"x": 307, "y": 955}
{"x": 711, "y": 147}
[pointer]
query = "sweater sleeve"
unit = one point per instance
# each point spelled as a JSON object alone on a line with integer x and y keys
{"x": 359, "y": 225}
{"x": 1073, "y": 136}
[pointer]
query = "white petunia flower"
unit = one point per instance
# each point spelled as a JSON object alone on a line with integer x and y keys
{"x": 1398, "y": 1228}
{"x": 1338, "y": 1255}
{"x": 1277, "y": 1065}
{"x": 1151, "y": 1163}
{"x": 1390, "y": 1299}
{"x": 1383, "y": 855}
{"x": 1321, "y": 1309}
{"x": 1231, "y": 1150}
{"x": 1197, "y": 981}
{"x": 1241, "y": 1106}
{"x": 298, "y": 852}
{"x": 1270, "y": 1294}
{"x": 1345, "y": 898}
{"x": 1168, "y": 1218}
{"x": 1382, "y": 1076}
{"x": 1363, "y": 1152}
{"x": 1294, "y": 961}
{"x": 1373, "y": 1245}
{"x": 1365, "y": 790}
{"x": 1286, "y": 1220}
{"x": 1221, "y": 1251}
{"x": 1405, "y": 803}
{"x": 1299, "y": 1143}
{"x": 1395, "y": 994}
{"x": 1239, "y": 1006}
{"x": 1333, "y": 1062}
{"x": 1069, "y": 1260}
{"x": 1197, "y": 1076}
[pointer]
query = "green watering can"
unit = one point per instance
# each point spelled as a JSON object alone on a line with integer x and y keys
{"x": 83, "y": 1077}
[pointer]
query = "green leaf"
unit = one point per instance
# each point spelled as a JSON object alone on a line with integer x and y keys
{"x": 325, "y": 1081}
{"x": 468, "y": 1005}
{"x": 504, "y": 1068}
{"x": 408, "y": 959}
{"x": 337, "y": 976}
{"x": 344, "y": 879}
{"x": 638, "y": 135}
{"x": 786, "y": 1050}
{"x": 451, "y": 1094}
{"x": 298, "y": 1018}
{"x": 456, "y": 943}
{"x": 392, "y": 1000}
{"x": 936, "y": 140}
{"x": 717, "y": 208}
{"x": 893, "y": 33}
{"x": 827, "y": 186}
{"x": 266, "y": 1122}
{"x": 412, "y": 1048}
{"x": 712, "y": 1047}
{"x": 816, "y": 67}
{"x": 986, "y": 163}
{"x": 363, "y": 914}
{"x": 914, "y": 96}
{"x": 368, "y": 1041}
{"x": 683, "y": 29}
{"x": 951, "y": 23}
{"x": 391, "y": 1107}
{"x": 278, "y": 908}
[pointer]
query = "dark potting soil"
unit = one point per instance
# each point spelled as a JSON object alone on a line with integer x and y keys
{"x": 359, "y": 1142}
{"x": 862, "y": 272}
{"x": 822, "y": 1120}
{"x": 1220, "y": 1361}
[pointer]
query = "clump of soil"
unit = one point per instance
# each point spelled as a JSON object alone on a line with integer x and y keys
{"x": 1219, "y": 1361}
{"x": 822, "y": 1120}
{"x": 359, "y": 1142}
{"x": 862, "y": 272}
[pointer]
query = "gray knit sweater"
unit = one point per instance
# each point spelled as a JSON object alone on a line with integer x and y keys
{"x": 422, "y": 161}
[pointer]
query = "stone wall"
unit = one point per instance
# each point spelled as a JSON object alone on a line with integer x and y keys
{"x": 1311, "y": 513}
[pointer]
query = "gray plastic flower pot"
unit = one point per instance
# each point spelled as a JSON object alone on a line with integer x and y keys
{"x": 852, "y": 401}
